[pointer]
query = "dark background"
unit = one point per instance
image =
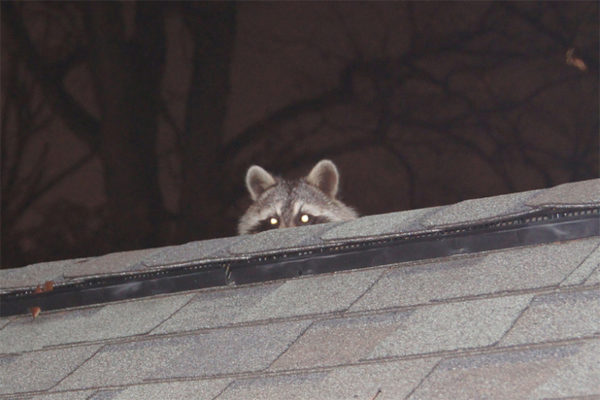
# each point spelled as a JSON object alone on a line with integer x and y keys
{"x": 130, "y": 125}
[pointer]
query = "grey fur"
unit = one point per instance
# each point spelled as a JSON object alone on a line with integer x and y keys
{"x": 325, "y": 176}
{"x": 287, "y": 200}
{"x": 257, "y": 181}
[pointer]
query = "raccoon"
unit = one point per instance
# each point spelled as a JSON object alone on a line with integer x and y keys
{"x": 281, "y": 203}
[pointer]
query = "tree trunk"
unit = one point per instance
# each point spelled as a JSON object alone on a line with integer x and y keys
{"x": 127, "y": 79}
{"x": 212, "y": 26}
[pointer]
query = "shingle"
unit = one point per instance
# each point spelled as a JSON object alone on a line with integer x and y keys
{"x": 40, "y": 370}
{"x": 95, "y": 323}
{"x": 296, "y": 297}
{"x": 108, "y": 394}
{"x": 480, "y": 210}
{"x": 452, "y": 326}
{"x": 71, "y": 395}
{"x": 594, "y": 278}
{"x": 392, "y": 380}
{"x": 583, "y": 271}
{"x": 382, "y": 224}
{"x": 316, "y": 294}
{"x": 110, "y": 263}
{"x": 192, "y": 390}
{"x": 553, "y": 372}
{"x": 217, "y": 352}
{"x": 281, "y": 239}
{"x": 193, "y": 251}
{"x": 511, "y": 269}
{"x": 339, "y": 341}
{"x": 209, "y": 309}
{"x": 575, "y": 193}
{"x": 425, "y": 330}
{"x": 579, "y": 376}
{"x": 32, "y": 275}
{"x": 557, "y": 316}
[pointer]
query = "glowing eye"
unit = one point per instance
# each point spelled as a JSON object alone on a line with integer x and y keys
{"x": 304, "y": 218}
{"x": 273, "y": 221}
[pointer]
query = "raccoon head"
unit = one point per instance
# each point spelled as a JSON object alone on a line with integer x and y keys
{"x": 281, "y": 203}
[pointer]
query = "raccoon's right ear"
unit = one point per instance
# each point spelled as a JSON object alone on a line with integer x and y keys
{"x": 258, "y": 180}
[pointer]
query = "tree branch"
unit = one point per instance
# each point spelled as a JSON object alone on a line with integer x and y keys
{"x": 84, "y": 125}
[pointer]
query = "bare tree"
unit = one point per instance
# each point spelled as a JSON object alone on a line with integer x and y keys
{"x": 26, "y": 176}
{"x": 212, "y": 28}
{"x": 439, "y": 101}
{"x": 493, "y": 92}
{"x": 127, "y": 73}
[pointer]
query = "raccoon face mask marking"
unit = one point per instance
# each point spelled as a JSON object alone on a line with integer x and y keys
{"x": 281, "y": 203}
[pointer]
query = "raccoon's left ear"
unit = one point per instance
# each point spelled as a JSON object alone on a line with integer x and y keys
{"x": 325, "y": 176}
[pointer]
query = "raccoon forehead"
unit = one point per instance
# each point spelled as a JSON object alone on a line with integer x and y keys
{"x": 270, "y": 210}
{"x": 296, "y": 207}
{"x": 303, "y": 192}
{"x": 321, "y": 210}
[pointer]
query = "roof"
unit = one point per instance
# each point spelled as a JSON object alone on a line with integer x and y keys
{"x": 520, "y": 322}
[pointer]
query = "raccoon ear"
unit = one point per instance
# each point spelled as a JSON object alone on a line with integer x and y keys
{"x": 258, "y": 180}
{"x": 325, "y": 176}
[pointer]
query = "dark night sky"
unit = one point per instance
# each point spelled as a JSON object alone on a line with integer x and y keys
{"x": 130, "y": 125}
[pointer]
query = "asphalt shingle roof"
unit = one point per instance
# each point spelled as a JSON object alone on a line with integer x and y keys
{"x": 512, "y": 323}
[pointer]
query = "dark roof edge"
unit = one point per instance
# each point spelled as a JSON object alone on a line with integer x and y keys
{"x": 542, "y": 226}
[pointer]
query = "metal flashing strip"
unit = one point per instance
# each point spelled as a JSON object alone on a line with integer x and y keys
{"x": 545, "y": 226}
